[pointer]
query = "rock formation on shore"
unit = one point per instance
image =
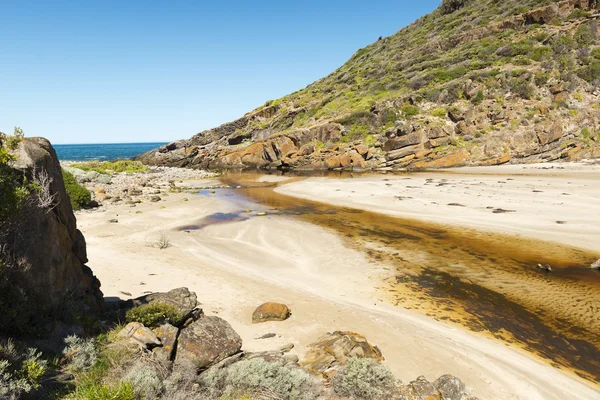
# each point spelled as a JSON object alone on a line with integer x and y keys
{"x": 473, "y": 83}
{"x": 339, "y": 365}
{"x": 44, "y": 277}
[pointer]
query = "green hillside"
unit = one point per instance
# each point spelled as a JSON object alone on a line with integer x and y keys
{"x": 474, "y": 82}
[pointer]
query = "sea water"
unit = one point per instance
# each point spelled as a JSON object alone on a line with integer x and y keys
{"x": 102, "y": 152}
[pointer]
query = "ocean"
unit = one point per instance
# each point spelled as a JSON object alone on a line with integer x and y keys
{"x": 102, "y": 152}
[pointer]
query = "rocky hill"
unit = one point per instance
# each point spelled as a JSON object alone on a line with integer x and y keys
{"x": 472, "y": 83}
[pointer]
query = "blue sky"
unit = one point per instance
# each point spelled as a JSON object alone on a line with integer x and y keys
{"x": 143, "y": 71}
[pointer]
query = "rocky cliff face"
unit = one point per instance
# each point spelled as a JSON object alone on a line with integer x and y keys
{"x": 48, "y": 252}
{"x": 473, "y": 83}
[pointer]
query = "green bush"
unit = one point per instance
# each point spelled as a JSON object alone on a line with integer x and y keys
{"x": 591, "y": 72}
{"x": 478, "y": 99}
{"x": 21, "y": 371}
{"x": 439, "y": 112}
{"x": 80, "y": 197}
{"x": 364, "y": 379}
{"x": 250, "y": 376}
{"x": 121, "y": 391}
{"x": 154, "y": 314}
{"x": 112, "y": 167}
{"x": 409, "y": 111}
{"x": 13, "y": 188}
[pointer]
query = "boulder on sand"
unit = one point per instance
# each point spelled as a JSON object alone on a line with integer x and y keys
{"x": 271, "y": 312}
{"x": 333, "y": 350}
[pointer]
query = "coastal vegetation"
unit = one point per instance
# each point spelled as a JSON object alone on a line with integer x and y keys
{"x": 79, "y": 195}
{"x": 111, "y": 167}
{"x": 524, "y": 72}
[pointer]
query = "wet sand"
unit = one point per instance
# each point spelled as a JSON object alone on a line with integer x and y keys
{"x": 236, "y": 260}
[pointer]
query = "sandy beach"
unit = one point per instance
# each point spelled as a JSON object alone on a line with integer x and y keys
{"x": 534, "y": 201}
{"x": 236, "y": 266}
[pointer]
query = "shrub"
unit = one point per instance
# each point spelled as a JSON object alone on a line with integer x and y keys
{"x": 121, "y": 391}
{"x": 408, "y": 110}
{"x": 363, "y": 378}
{"x": 153, "y": 314}
{"x": 112, "y": 167}
{"x": 257, "y": 375}
{"x": 450, "y": 6}
{"x": 478, "y": 99}
{"x": 541, "y": 52}
{"x": 12, "y": 387}
{"x": 439, "y": 112}
{"x": 80, "y": 197}
{"x": 20, "y": 372}
{"x": 145, "y": 381}
{"x": 13, "y": 191}
{"x": 162, "y": 242}
{"x": 591, "y": 72}
{"x": 81, "y": 352}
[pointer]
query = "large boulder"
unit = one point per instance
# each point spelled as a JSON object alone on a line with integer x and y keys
{"x": 333, "y": 350}
{"x": 420, "y": 389}
{"x": 271, "y": 312}
{"x": 167, "y": 334}
{"x": 450, "y": 387}
{"x": 51, "y": 272}
{"x": 207, "y": 341}
{"x": 184, "y": 301}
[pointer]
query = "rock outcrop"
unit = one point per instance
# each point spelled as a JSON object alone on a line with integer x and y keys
{"x": 50, "y": 273}
{"x": 333, "y": 350}
{"x": 207, "y": 341}
{"x": 184, "y": 301}
{"x": 209, "y": 347}
{"x": 443, "y": 92}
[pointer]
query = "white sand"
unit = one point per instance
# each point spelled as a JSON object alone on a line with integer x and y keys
{"x": 237, "y": 266}
{"x": 539, "y": 198}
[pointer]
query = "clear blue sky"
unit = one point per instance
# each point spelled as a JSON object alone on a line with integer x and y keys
{"x": 142, "y": 71}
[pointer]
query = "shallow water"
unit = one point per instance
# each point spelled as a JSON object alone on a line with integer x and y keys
{"x": 487, "y": 282}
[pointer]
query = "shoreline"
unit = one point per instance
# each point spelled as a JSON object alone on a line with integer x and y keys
{"x": 543, "y": 204}
{"x": 234, "y": 267}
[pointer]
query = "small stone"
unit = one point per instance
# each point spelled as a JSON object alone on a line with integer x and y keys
{"x": 140, "y": 334}
{"x": 545, "y": 267}
{"x": 155, "y": 199}
{"x": 113, "y": 221}
{"x": 261, "y": 214}
{"x": 291, "y": 358}
{"x": 596, "y": 265}
{"x": 287, "y": 348}
{"x": 267, "y": 336}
